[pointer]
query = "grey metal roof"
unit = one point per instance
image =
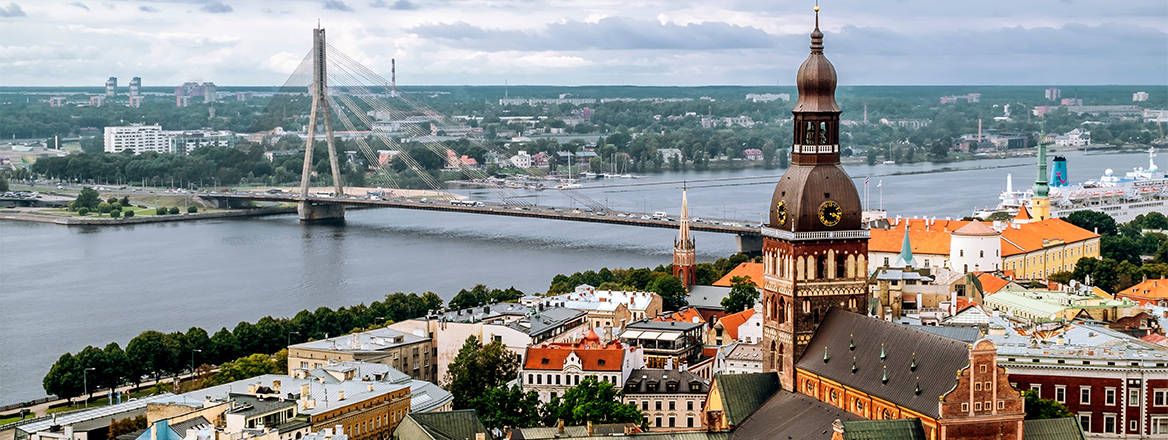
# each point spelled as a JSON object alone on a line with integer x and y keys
{"x": 451, "y": 425}
{"x": 707, "y": 297}
{"x": 251, "y": 406}
{"x": 937, "y": 359}
{"x": 964, "y": 334}
{"x": 646, "y": 324}
{"x": 640, "y": 378}
{"x": 370, "y": 341}
{"x": 105, "y": 413}
{"x": 531, "y": 320}
{"x": 788, "y": 415}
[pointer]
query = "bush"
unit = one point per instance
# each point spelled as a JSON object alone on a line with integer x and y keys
{"x": 161, "y": 210}
{"x": 129, "y": 214}
{"x": 173, "y": 210}
{"x": 125, "y": 200}
{"x": 103, "y": 207}
{"x": 192, "y": 209}
{"x": 83, "y": 211}
{"x": 115, "y": 214}
{"x": 116, "y": 206}
{"x": 112, "y": 200}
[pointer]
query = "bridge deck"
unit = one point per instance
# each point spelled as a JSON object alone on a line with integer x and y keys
{"x": 498, "y": 209}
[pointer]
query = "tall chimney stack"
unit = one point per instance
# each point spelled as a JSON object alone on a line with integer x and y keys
{"x": 393, "y": 76}
{"x": 979, "y": 129}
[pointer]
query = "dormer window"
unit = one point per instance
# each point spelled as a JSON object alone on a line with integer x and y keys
{"x": 671, "y": 387}
{"x": 600, "y": 362}
{"x": 544, "y": 361}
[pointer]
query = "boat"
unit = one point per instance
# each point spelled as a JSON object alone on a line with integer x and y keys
{"x": 1139, "y": 191}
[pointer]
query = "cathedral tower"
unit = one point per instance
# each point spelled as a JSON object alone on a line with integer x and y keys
{"x": 684, "y": 257}
{"x": 814, "y": 247}
{"x": 1040, "y": 201}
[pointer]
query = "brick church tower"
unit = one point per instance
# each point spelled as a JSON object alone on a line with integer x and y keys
{"x": 814, "y": 247}
{"x": 684, "y": 258}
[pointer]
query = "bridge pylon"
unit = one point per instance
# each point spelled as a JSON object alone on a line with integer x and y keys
{"x": 316, "y": 211}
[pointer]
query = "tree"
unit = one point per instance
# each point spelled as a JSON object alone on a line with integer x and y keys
{"x": 3, "y": 183}
{"x": 505, "y": 408}
{"x": 161, "y": 210}
{"x": 87, "y": 198}
{"x": 247, "y": 367}
{"x": 671, "y": 289}
{"x": 591, "y": 401}
{"x": 128, "y": 214}
{"x": 115, "y": 214}
{"x": 64, "y": 377}
{"x": 125, "y": 426}
{"x": 173, "y": 210}
{"x": 83, "y": 212}
{"x": 1093, "y": 221}
{"x": 1062, "y": 277}
{"x": 103, "y": 207}
{"x": 478, "y": 367}
{"x": 191, "y": 209}
{"x": 1039, "y": 408}
{"x": 742, "y": 295}
{"x": 154, "y": 352}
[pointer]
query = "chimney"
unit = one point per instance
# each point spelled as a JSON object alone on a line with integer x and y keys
{"x": 371, "y": 387}
{"x": 979, "y": 129}
{"x": 276, "y": 386}
{"x": 251, "y": 389}
{"x": 837, "y": 427}
{"x": 560, "y": 426}
{"x": 341, "y": 395}
{"x": 480, "y": 436}
{"x": 304, "y": 391}
{"x": 590, "y": 428}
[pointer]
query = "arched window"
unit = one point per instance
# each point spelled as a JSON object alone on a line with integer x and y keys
{"x": 961, "y": 253}
{"x": 821, "y": 263}
{"x": 841, "y": 265}
{"x": 779, "y": 358}
{"x": 782, "y": 310}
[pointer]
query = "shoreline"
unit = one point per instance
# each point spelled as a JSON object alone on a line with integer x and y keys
{"x": 25, "y": 216}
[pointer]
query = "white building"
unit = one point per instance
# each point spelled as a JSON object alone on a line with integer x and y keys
{"x": 1074, "y": 138}
{"x": 137, "y": 138}
{"x": 739, "y": 359}
{"x": 1139, "y": 96}
{"x": 551, "y": 369}
{"x": 608, "y": 308}
{"x": 521, "y": 160}
{"x": 187, "y": 141}
{"x": 975, "y": 247}
{"x": 768, "y": 97}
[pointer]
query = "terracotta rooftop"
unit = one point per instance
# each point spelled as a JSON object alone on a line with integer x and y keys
{"x": 932, "y": 236}
{"x": 1023, "y": 214}
{"x": 1030, "y": 237}
{"x": 990, "y": 283}
{"x": 1149, "y": 291}
{"x": 592, "y": 358}
{"x": 690, "y": 314}
{"x": 730, "y": 323}
{"x": 976, "y": 228}
{"x": 748, "y": 269}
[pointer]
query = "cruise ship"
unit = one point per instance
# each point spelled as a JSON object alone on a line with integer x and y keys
{"x": 1139, "y": 191}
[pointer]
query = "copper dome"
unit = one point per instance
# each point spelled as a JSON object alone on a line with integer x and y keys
{"x": 816, "y": 78}
{"x": 804, "y": 189}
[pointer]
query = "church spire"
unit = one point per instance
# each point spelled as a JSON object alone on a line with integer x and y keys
{"x": 1040, "y": 201}
{"x": 905, "y": 259}
{"x": 683, "y": 233}
{"x": 684, "y": 255}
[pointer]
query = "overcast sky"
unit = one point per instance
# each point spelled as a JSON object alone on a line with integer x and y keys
{"x": 562, "y": 42}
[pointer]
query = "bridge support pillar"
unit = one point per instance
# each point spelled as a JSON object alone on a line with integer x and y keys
{"x": 310, "y": 212}
{"x": 750, "y": 244}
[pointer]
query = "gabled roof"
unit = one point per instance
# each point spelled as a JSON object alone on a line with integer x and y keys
{"x": 592, "y": 358}
{"x": 1066, "y": 428}
{"x": 743, "y": 394}
{"x": 788, "y": 415}
{"x": 688, "y": 314}
{"x": 977, "y": 229}
{"x": 461, "y": 424}
{"x": 1147, "y": 291}
{"x": 640, "y": 378}
{"x": 730, "y": 323}
{"x": 990, "y": 283}
{"x": 885, "y": 349}
{"x": 897, "y": 429}
{"x": 928, "y": 236}
{"x": 1029, "y": 237}
{"x": 1023, "y": 214}
{"x": 748, "y": 269}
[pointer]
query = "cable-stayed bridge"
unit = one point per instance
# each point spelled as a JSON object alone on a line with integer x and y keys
{"x": 345, "y": 92}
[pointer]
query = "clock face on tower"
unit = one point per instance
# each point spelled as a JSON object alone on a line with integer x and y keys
{"x": 781, "y": 212}
{"x": 830, "y": 213}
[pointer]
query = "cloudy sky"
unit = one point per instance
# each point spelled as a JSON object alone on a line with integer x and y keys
{"x": 563, "y": 42}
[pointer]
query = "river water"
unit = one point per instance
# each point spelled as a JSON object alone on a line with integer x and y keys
{"x": 62, "y": 288}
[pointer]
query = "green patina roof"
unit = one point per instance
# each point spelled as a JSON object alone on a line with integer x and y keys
{"x": 1052, "y": 429}
{"x": 462, "y": 424}
{"x": 898, "y": 429}
{"x": 743, "y": 394}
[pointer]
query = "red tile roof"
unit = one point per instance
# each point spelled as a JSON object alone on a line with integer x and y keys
{"x": 1029, "y": 237}
{"x": 592, "y": 358}
{"x": 690, "y": 314}
{"x": 990, "y": 283}
{"x": 730, "y": 323}
{"x": 932, "y": 236}
{"x": 1148, "y": 292}
{"x": 748, "y": 269}
{"x": 1023, "y": 214}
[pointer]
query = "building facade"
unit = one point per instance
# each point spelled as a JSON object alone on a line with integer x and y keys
{"x": 136, "y": 138}
{"x": 667, "y": 398}
{"x": 551, "y": 369}
{"x": 405, "y": 352}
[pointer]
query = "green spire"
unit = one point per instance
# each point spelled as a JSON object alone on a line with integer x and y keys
{"x": 826, "y": 357}
{"x": 854, "y": 369}
{"x": 1042, "y": 184}
{"x": 917, "y": 391}
{"x": 906, "y": 257}
{"x": 882, "y": 355}
{"x": 852, "y": 342}
{"x": 884, "y": 375}
{"x": 913, "y": 365}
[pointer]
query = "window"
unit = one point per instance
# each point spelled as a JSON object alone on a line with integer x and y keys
{"x": 1085, "y": 421}
{"x": 977, "y": 406}
{"x": 689, "y": 422}
{"x": 657, "y": 404}
{"x": 1109, "y": 396}
{"x": 672, "y": 421}
{"x": 497, "y": 338}
{"x": 977, "y": 386}
{"x": 644, "y": 405}
{"x": 1133, "y": 426}
{"x": 1037, "y": 388}
{"x": 1001, "y": 404}
{"x": 1159, "y": 425}
{"x": 1085, "y": 395}
{"x": 689, "y": 405}
{"x": 965, "y": 407}
{"x": 859, "y": 405}
{"x": 657, "y": 421}
{"x": 1160, "y": 397}
{"x": 672, "y": 405}
{"x": 1060, "y": 393}
{"x": 1109, "y": 423}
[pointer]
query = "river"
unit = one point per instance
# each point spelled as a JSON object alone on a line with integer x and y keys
{"x": 62, "y": 288}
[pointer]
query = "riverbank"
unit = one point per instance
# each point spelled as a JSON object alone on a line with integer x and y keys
{"x": 33, "y": 216}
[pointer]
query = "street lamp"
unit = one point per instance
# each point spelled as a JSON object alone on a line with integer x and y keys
{"x": 193, "y": 351}
{"x": 85, "y": 383}
{"x": 289, "y": 339}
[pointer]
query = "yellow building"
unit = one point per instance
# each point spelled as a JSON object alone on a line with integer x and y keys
{"x": 1041, "y": 248}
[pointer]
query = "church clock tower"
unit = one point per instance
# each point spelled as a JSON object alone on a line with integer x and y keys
{"x": 814, "y": 248}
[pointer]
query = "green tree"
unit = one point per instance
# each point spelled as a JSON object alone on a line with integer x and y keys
{"x": 1062, "y": 277}
{"x": 154, "y": 352}
{"x": 64, "y": 377}
{"x": 161, "y": 210}
{"x": 128, "y": 214}
{"x": 115, "y": 367}
{"x": 1093, "y": 221}
{"x": 506, "y": 408}
{"x": 83, "y": 212}
{"x": 3, "y": 183}
{"x": 671, "y": 289}
{"x": 103, "y": 207}
{"x": 115, "y": 214}
{"x": 742, "y": 295}
{"x": 591, "y": 401}
{"x": 87, "y": 198}
{"x": 173, "y": 210}
{"x": 1119, "y": 248}
{"x": 192, "y": 209}
{"x": 247, "y": 367}
{"x": 1039, "y": 408}
{"x": 478, "y": 367}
